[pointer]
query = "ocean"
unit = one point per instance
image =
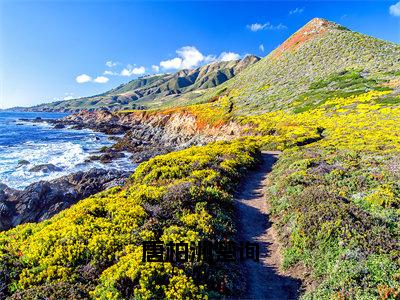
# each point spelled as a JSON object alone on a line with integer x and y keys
{"x": 40, "y": 143}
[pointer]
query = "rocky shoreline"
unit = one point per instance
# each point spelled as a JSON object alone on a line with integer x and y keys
{"x": 141, "y": 135}
{"x": 41, "y": 200}
{"x": 146, "y": 135}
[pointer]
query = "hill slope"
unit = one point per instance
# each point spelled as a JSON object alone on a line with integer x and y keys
{"x": 319, "y": 59}
{"x": 153, "y": 89}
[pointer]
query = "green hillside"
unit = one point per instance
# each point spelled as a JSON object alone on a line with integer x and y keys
{"x": 321, "y": 60}
{"x": 154, "y": 90}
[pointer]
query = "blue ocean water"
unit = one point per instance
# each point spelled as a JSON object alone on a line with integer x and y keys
{"x": 40, "y": 143}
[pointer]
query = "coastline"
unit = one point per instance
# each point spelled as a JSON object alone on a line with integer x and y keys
{"x": 43, "y": 198}
{"x": 142, "y": 136}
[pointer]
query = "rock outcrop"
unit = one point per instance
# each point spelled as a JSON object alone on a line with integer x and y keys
{"x": 147, "y": 135}
{"x": 45, "y": 168}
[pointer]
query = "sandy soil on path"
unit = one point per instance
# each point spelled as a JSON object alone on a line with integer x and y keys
{"x": 264, "y": 279}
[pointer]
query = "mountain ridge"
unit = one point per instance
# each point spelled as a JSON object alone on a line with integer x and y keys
{"x": 288, "y": 77}
{"x": 156, "y": 87}
{"x": 315, "y": 27}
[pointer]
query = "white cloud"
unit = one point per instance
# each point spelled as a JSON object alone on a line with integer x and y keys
{"x": 125, "y": 72}
{"x": 83, "y": 78}
{"x": 188, "y": 57}
{"x": 86, "y": 78}
{"x": 394, "y": 9}
{"x": 175, "y": 63}
{"x": 296, "y": 11}
{"x": 131, "y": 71}
{"x": 191, "y": 57}
{"x": 111, "y": 63}
{"x": 155, "y": 68}
{"x": 101, "y": 79}
{"x": 256, "y": 27}
{"x": 227, "y": 56}
{"x": 266, "y": 26}
{"x": 210, "y": 58}
{"x": 280, "y": 26}
{"x": 261, "y": 47}
{"x": 108, "y": 72}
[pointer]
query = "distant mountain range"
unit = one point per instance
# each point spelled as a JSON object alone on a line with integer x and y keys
{"x": 155, "y": 89}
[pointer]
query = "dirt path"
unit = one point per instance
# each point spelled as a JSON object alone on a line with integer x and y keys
{"x": 264, "y": 280}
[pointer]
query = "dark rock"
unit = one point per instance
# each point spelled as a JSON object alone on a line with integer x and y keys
{"x": 92, "y": 158}
{"x": 59, "y": 126}
{"x": 108, "y": 156}
{"x": 23, "y": 162}
{"x": 46, "y": 168}
{"x": 4, "y": 209}
{"x": 78, "y": 126}
{"x": 41, "y": 200}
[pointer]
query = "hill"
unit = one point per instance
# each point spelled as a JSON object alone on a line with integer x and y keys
{"x": 321, "y": 60}
{"x": 156, "y": 89}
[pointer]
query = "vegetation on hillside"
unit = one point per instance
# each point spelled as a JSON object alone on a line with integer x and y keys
{"x": 94, "y": 248}
{"x": 277, "y": 82}
{"x": 334, "y": 194}
{"x": 157, "y": 90}
{"x": 336, "y": 199}
{"x": 331, "y": 104}
{"x": 337, "y": 213}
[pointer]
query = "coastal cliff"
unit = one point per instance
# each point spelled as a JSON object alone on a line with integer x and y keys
{"x": 141, "y": 133}
{"x": 147, "y": 134}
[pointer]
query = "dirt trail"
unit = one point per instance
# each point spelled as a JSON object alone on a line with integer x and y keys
{"x": 264, "y": 280}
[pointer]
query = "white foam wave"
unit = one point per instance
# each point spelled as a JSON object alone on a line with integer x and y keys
{"x": 68, "y": 156}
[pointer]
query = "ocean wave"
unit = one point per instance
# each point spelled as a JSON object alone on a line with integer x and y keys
{"x": 68, "y": 156}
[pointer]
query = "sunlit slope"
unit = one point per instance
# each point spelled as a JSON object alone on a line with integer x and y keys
{"x": 319, "y": 59}
{"x": 155, "y": 90}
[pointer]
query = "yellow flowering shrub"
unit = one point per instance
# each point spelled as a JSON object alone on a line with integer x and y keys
{"x": 334, "y": 190}
{"x": 94, "y": 247}
{"x": 356, "y": 122}
{"x": 383, "y": 195}
{"x": 337, "y": 196}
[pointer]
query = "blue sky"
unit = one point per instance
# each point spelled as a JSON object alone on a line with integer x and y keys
{"x": 54, "y": 50}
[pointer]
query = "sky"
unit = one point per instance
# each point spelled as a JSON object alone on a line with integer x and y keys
{"x": 55, "y": 50}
